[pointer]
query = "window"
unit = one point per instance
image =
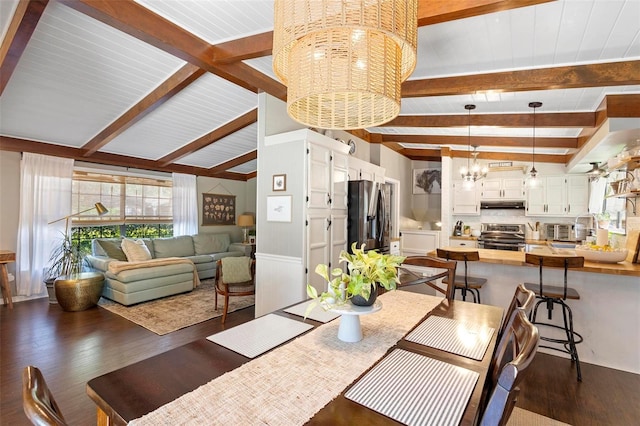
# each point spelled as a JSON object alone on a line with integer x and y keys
{"x": 129, "y": 199}
{"x": 138, "y": 207}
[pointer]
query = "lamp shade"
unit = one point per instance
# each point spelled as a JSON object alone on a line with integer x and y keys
{"x": 101, "y": 209}
{"x": 343, "y": 61}
{"x": 245, "y": 220}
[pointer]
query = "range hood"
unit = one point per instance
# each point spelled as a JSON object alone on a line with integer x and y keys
{"x": 502, "y": 205}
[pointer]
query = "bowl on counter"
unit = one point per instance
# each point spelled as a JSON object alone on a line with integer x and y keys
{"x": 602, "y": 256}
{"x": 475, "y": 233}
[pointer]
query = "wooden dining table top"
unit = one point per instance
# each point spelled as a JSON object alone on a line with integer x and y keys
{"x": 130, "y": 392}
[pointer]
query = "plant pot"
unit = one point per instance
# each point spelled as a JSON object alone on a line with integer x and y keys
{"x": 361, "y": 301}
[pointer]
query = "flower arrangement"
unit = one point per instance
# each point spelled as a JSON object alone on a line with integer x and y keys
{"x": 365, "y": 271}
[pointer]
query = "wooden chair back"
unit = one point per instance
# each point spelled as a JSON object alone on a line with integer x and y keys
{"x": 520, "y": 339}
{"x": 548, "y": 261}
{"x": 461, "y": 255}
{"x": 37, "y": 400}
{"x": 411, "y": 278}
{"x": 227, "y": 290}
{"x": 522, "y": 298}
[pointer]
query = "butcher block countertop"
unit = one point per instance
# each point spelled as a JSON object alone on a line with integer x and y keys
{"x": 516, "y": 258}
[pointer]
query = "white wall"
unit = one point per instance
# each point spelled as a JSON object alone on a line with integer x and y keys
{"x": 9, "y": 204}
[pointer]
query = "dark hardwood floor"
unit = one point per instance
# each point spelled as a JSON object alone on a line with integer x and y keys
{"x": 73, "y": 347}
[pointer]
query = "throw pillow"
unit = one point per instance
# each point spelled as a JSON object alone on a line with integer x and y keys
{"x": 236, "y": 269}
{"x": 113, "y": 250}
{"x": 136, "y": 250}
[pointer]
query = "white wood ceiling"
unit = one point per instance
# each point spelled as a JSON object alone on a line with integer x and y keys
{"x": 77, "y": 75}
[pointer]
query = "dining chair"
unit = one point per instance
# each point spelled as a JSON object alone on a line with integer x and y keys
{"x": 520, "y": 339}
{"x": 556, "y": 295}
{"x": 37, "y": 400}
{"x": 407, "y": 277}
{"x": 522, "y": 298}
{"x": 235, "y": 276}
{"x": 465, "y": 283}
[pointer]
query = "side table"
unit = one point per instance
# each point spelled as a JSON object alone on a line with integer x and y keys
{"x": 77, "y": 292}
{"x": 6, "y": 256}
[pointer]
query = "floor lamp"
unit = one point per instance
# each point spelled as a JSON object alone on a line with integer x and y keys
{"x": 100, "y": 208}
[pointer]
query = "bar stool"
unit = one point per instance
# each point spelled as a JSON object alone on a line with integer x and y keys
{"x": 551, "y": 295}
{"x": 464, "y": 283}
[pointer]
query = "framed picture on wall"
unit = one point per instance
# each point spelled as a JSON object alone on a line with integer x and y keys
{"x": 218, "y": 209}
{"x": 252, "y": 239}
{"x": 427, "y": 181}
{"x": 279, "y": 208}
{"x": 279, "y": 183}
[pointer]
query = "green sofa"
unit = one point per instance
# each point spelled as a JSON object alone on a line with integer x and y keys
{"x": 131, "y": 286}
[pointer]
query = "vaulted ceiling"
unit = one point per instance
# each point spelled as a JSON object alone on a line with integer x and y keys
{"x": 172, "y": 85}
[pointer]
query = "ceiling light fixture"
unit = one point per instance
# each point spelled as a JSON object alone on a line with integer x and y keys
{"x": 533, "y": 174}
{"x": 343, "y": 61}
{"x": 471, "y": 173}
{"x": 595, "y": 170}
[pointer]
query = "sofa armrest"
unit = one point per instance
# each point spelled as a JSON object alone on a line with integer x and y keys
{"x": 99, "y": 263}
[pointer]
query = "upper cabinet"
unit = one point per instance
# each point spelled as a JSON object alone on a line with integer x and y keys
{"x": 466, "y": 201}
{"x": 362, "y": 170}
{"x": 559, "y": 196}
{"x": 502, "y": 189}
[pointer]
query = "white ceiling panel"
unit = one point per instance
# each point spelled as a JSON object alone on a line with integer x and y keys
{"x": 7, "y": 8}
{"x": 225, "y": 149}
{"x": 517, "y": 150}
{"x": 549, "y": 34}
{"x": 245, "y": 168}
{"x": 206, "y": 104}
{"x": 216, "y": 21}
{"x": 76, "y": 76}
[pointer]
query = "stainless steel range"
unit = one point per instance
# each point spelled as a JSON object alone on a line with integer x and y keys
{"x": 500, "y": 236}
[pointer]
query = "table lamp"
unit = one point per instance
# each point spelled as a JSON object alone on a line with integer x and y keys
{"x": 245, "y": 221}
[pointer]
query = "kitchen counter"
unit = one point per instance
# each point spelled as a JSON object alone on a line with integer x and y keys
{"x": 463, "y": 237}
{"x": 607, "y": 314}
{"x": 516, "y": 258}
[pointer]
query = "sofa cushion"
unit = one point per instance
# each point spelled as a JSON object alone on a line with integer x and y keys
{"x": 173, "y": 247}
{"x": 136, "y": 250}
{"x": 211, "y": 243}
{"x": 236, "y": 269}
{"x": 110, "y": 249}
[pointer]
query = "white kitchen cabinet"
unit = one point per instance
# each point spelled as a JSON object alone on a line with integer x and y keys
{"x": 417, "y": 242}
{"x": 558, "y": 196}
{"x": 502, "y": 189}
{"x": 454, "y": 242}
{"x": 363, "y": 170}
{"x": 466, "y": 202}
{"x": 577, "y": 195}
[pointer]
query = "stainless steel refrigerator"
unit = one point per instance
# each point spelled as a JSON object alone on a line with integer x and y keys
{"x": 369, "y": 215}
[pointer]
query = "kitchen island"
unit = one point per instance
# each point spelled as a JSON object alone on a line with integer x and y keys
{"x": 607, "y": 314}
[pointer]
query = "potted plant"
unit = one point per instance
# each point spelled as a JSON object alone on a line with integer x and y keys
{"x": 65, "y": 259}
{"x": 359, "y": 284}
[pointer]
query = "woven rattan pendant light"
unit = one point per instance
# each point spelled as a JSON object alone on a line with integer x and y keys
{"x": 343, "y": 61}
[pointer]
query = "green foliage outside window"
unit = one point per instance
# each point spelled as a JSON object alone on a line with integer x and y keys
{"x": 82, "y": 235}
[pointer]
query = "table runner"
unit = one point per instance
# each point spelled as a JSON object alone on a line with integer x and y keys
{"x": 288, "y": 385}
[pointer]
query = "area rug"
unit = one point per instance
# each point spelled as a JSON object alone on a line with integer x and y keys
{"x": 520, "y": 417}
{"x": 172, "y": 313}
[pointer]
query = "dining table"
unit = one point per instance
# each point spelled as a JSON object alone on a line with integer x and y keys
{"x": 208, "y": 382}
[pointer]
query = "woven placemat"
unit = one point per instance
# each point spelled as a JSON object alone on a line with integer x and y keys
{"x": 288, "y": 385}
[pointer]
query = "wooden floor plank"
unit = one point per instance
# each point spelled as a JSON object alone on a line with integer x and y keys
{"x": 73, "y": 347}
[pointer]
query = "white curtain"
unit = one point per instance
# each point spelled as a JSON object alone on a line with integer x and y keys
{"x": 185, "y": 205}
{"x": 45, "y": 195}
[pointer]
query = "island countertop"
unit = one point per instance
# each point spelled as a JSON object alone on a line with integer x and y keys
{"x": 516, "y": 258}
